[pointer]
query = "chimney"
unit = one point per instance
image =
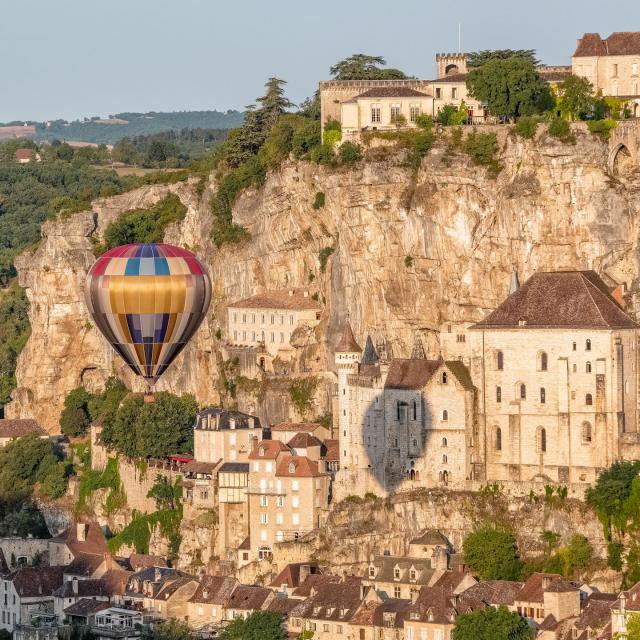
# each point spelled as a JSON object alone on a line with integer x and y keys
{"x": 232, "y": 423}
{"x": 250, "y": 422}
{"x": 157, "y": 575}
{"x": 81, "y": 531}
{"x": 305, "y": 572}
{"x": 74, "y": 585}
{"x": 208, "y": 421}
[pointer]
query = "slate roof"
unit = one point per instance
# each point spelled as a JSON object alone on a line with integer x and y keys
{"x": 32, "y": 582}
{"x": 619, "y": 43}
{"x": 369, "y": 355}
{"x": 169, "y": 588}
{"x": 386, "y": 565}
{"x": 430, "y": 537}
{"x": 559, "y": 300}
{"x": 285, "y": 299}
{"x": 303, "y": 467}
{"x": 410, "y": 373}
{"x": 19, "y": 427}
{"x": 139, "y": 561}
{"x": 214, "y": 590}
{"x": 234, "y": 467}
{"x": 85, "y": 589}
{"x": 224, "y": 419}
{"x": 347, "y": 342}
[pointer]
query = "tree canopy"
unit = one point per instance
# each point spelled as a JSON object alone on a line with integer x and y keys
{"x": 360, "y": 66}
{"x": 260, "y": 625}
{"x": 576, "y": 97}
{"x": 510, "y": 87}
{"x": 492, "y": 624}
{"x": 492, "y": 554}
{"x": 478, "y": 58}
{"x": 14, "y": 332}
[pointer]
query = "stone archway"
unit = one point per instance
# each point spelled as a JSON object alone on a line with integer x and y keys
{"x": 621, "y": 163}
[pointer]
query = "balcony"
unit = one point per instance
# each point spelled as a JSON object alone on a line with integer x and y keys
{"x": 254, "y": 489}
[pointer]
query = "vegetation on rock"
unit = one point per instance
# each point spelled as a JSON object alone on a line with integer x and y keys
{"x": 492, "y": 624}
{"x": 491, "y": 553}
{"x": 260, "y": 625}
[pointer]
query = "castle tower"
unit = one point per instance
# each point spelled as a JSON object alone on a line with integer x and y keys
{"x": 347, "y": 358}
{"x": 451, "y": 64}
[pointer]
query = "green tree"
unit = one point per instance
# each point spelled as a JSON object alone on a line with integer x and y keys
{"x": 492, "y": 554}
{"x": 576, "y": 556}
{"x": 273, "y": 103}
{"x": 74, "y": 418}
{"x": 478, "y": 58}
{"x": 163, "y": 493}
{"x": 120, "y": 433}
{"x": 492, "y": 624}
{"x": 510, "y": 87}
{"x": 350, "y": 152}
{"x": 260, "y": 625}
{"x": 14, "y": 332}
{"x": 170, "y": 629}
{"x": 526, "y": 127}
{"x": 576, "y": 97}
{"x": 360, "y": 66}
{"x": 633, "y": 628}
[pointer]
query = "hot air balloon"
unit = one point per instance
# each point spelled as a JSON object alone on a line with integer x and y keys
{"x": 148, "y": 300}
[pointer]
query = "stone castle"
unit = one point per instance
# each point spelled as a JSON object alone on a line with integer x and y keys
{"x": 543, "y": 390}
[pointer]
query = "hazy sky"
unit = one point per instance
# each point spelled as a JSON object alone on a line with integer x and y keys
{"x": 72, "y": 58}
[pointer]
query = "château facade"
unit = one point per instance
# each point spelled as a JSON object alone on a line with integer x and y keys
{"x": 543, "y": 390}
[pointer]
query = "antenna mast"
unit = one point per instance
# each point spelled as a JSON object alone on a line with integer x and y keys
{"x": 459, "y": 37}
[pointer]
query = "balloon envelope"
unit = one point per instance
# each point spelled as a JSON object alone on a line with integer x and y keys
{"x": 148, "y": 300}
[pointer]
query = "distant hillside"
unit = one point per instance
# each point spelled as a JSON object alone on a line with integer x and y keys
{"x": 120, "y": 125}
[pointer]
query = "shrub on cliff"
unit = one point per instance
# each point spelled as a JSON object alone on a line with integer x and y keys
{"x": 492, "y": 554}
{"x": 492, "y": 624}
{"x": 526, "y": 127}
{"x": 350, "y": 152}
{"x": 482, "y": 148}
{"x": 560, "y": 128}
{"x": 602, "y": 128}
{"x": 14, "y": 332}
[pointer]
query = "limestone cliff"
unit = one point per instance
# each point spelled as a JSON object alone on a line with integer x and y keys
{"x": 412, "y": 251}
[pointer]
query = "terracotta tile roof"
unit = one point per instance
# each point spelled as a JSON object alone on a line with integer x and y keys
{"x": 214, "y": 590}
{"x": 286, "y": 299}
{"x": 314, "y": 581}
{"x": 302, "y": 467}
{"x": 169, "y": 588}
{"x": 139, "y": 561}
{"x": 430, "y": 537}
{"x": 549, "y": 623}
{"x": 249, "y": 598}
{"x": 303, "y": 440}
{"x": 562, "y": 300}
{"x": 347, "y": 342}
{"x": 410, "y": 373}
{"x": 270, "y": 449}
{"x": 246, "y": 544}
{"x": 534, "y": 588}
{"x": 454, "y": 77}
{"x": 433, "y": 604}
{"x": 298, "y": 427}
{"x": 596, "y": 611}
{"x": 392, "y": 92}
{"x": 495, "y": 592}
{"x": 84, "y": 564}
{"x": 19, "y": 427}
{"x": 85, "y": 607}
{"x": 282, "y": 605}
{"x": 115, "y": 581}
{"x": 23, "y": 154}
{"x": 390, "y": 614}
{"x": 337, "y": 601}
{"x": 333, "y": 450}
{"x": 31, "y": 582}
{"x": 619, "y": 43}
{"x": 290, "y": 575}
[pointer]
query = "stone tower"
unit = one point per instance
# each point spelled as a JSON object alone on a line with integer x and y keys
{"x": 347, "y": 358}
{"x": 451, "y": 64}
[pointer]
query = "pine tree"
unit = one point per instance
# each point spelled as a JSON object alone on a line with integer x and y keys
{"x": 274, "y": 103}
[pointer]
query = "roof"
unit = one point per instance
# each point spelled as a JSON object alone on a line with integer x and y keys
{"x": 410, "y": 373}
{"x": 433, "y": 604}
{"x": 333, "y": 450}
{"x": 31, "y": 582}
{"x": 115, "y": 580}
{"x": 347, "y": 342}
{"x": 139, "y": 561}
{"x": 85, "y": 607}
{"x": 290, "y": 575}
{"x": 391, "y": 613}
{"x": 495, "y": 592}
{"x": 369, "y": 355}
{"x": 234, "y": 467}
{"x": 283, "y": 606}
{"x": 314, "y": 581}
{"x": 331, "y": 601}
{"x": 83, "y": 588}
{"x": 23, "y": 154}
{"x": 222, "y": 419}
{"x": 554, "y": 75}
{"x": 214, "y": 590}
{"x": 19, "y": 427}
{"x": 430, "y": 537}
{"x": 386, "y": 566}
{"x": 619, "y": 43}
{"x": 302, "y": 467}
{"x": 559, "y": 300}
{"x": 596, "y": 611}
{"x": 248, "y": 598}
{"x": 271, "y": 449}
{"x": 535, "y": 586}
{"x": 198, "y": 467}
{"x": 298, "y": 427}
{"x": 245, "y": 544}
{"x": 392, "y": 92}
{"x": 285, "y": 299}
{"x": 170, "y": 588}
{"x": 304, "y": 440}
{"x": 454, "y": 77}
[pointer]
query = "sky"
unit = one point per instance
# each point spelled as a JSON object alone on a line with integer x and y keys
{"x": 77, "y": 58}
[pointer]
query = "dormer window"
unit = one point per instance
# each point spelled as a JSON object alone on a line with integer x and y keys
{"x": 396, "y": 573}
{"x": 261, "y": 451}
{"x": 372, "y": 572}
{"x": 412, "y": 575}
{"x": 444, "y": 377}
{"x": 292, "y": 467}
{"x": 430, "y": 616}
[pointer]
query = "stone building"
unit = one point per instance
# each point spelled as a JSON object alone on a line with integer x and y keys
{"x": 611, "y": 65}
{"x": 10, "y": 429}
{"x": 267, "y": 322}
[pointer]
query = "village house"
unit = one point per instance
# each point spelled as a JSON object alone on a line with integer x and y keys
{"x": 267, "y": 322}
{"x": 83, "y": 551}
{"x": 151, "y": 589}
{"x": 284, "y": 431}
{"x": 12, "y": 428}
{"x": 116, "y": 622}
{"x": 245, "y": 600}
{"x": 379, "y": 619}
{"x": 74, "y": 590}
{"x": 206, "y": 607}
{"x": 233, "y": 506}
{"x": 294, "y": 575}
{"x": 611, "y": 65}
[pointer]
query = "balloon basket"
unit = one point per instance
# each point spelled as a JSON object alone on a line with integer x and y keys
{"x": 149, "y": 398}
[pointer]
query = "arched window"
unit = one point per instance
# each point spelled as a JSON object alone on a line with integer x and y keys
{"x": 415, "y": 442}
{"x": 445, "y": 477}
{"x": 587, "y": 345}
{"x": 500, "y": 360}
{"x": 498, "y": 442}
{"x": 444, "y": 377}
{"x": 445, "y": 415}
{"x": 587, "y": 367}
{"x": 444, "y": 442}
{"x": 588, "y": 399}
{"x": 586, "y": 432}
{"x": 415, "y": 410}
{"x": 541, "y": 440}
{"x": 444, "y": 459}
{"x": 543, "y": 395}
{"x": 575, "y": 346}
{"x": 523, "y": 392}
{"x": 543, "y": 361}
{"x": 498, "y": 394}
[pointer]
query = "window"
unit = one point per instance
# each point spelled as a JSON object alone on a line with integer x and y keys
{"x": 396, "y": 573}
{"x": 543, "y": 395}
{"x": 415, "y": 410}
{"x": 438, "y": 93}
{"x": 445, "y": 415}
{"x": 325, "y": 628}
{"x": 586, "y": 432}
{"x": 444, "y": 442}
{"x": 412, "y": 575}
{"x": 587, "y": 367}
{"x": 372, "y": 572}
{"x": 292, "y": 467}
{"x": 541, "y": 440}
{"x": 264, "y": 501}
{"x": 500, "y": 361}
{"x": 295, "y": 518}
{"x": 543, "y": 361}
{"x": 261, "y": 451}
{"x": 264, "y": 518}
{"x": 444, "y": 459}
{"x": 295, "y": 485}
{"x": 498, "y": 441}
{"x": 244, "y": 318}
{"x": 281, "y": 337}
{"x": 395, "y": 111}
{"x": 268, "y": 467}
{"x": 523, "y": 392}
{"x": 280, "y": 501}
{"x": 615, "y": 71}
{"x": 396, "y": 592}
{"x": 587, "y": 345}
{"x": 575, "y": 346}
{"x": 588, "y": 399}
{"x": 414, "y": 112}
{"x": 295, "y": 502}
{"x": 498, "y": 394}
{"x": 375, "y": 113}
{"x": 634, "y": 69}
{"x": 279, "y": 518}
{"x": 444, "y": 377}
{"x": 454, "y": 93}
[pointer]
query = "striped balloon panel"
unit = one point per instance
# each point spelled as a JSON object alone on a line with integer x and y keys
{"x": 148, "y": 301}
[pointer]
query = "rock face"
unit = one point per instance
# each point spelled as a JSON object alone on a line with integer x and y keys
{"x": 413, "y": 251}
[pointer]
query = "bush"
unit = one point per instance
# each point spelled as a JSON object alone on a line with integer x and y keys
{"x": 452, "y": 116}
{"x": 74, "y": 418}
{"x": 332, "y": 125}
{"x": 526, "y": 127}
{"x": 492, "y": 624}
{"x": 614, "y": 555}
{"x": 318, "y": 201}
{"x": 601, "y": 128}
{"x": 482, "y": 148}
{"x": 305, "y": 138}
{"x": 492, "y": 554}
{"x": 423, "y": 121}
{"x": 323, "y": 154}
{"x": 560, "y": 128}
{"x": 350, "y": 152}
{"x": 408, "y": 262}
{"x": 332, "y": 137}
{"x": 301, "y": 392}
{"x": 323, "y": 257}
